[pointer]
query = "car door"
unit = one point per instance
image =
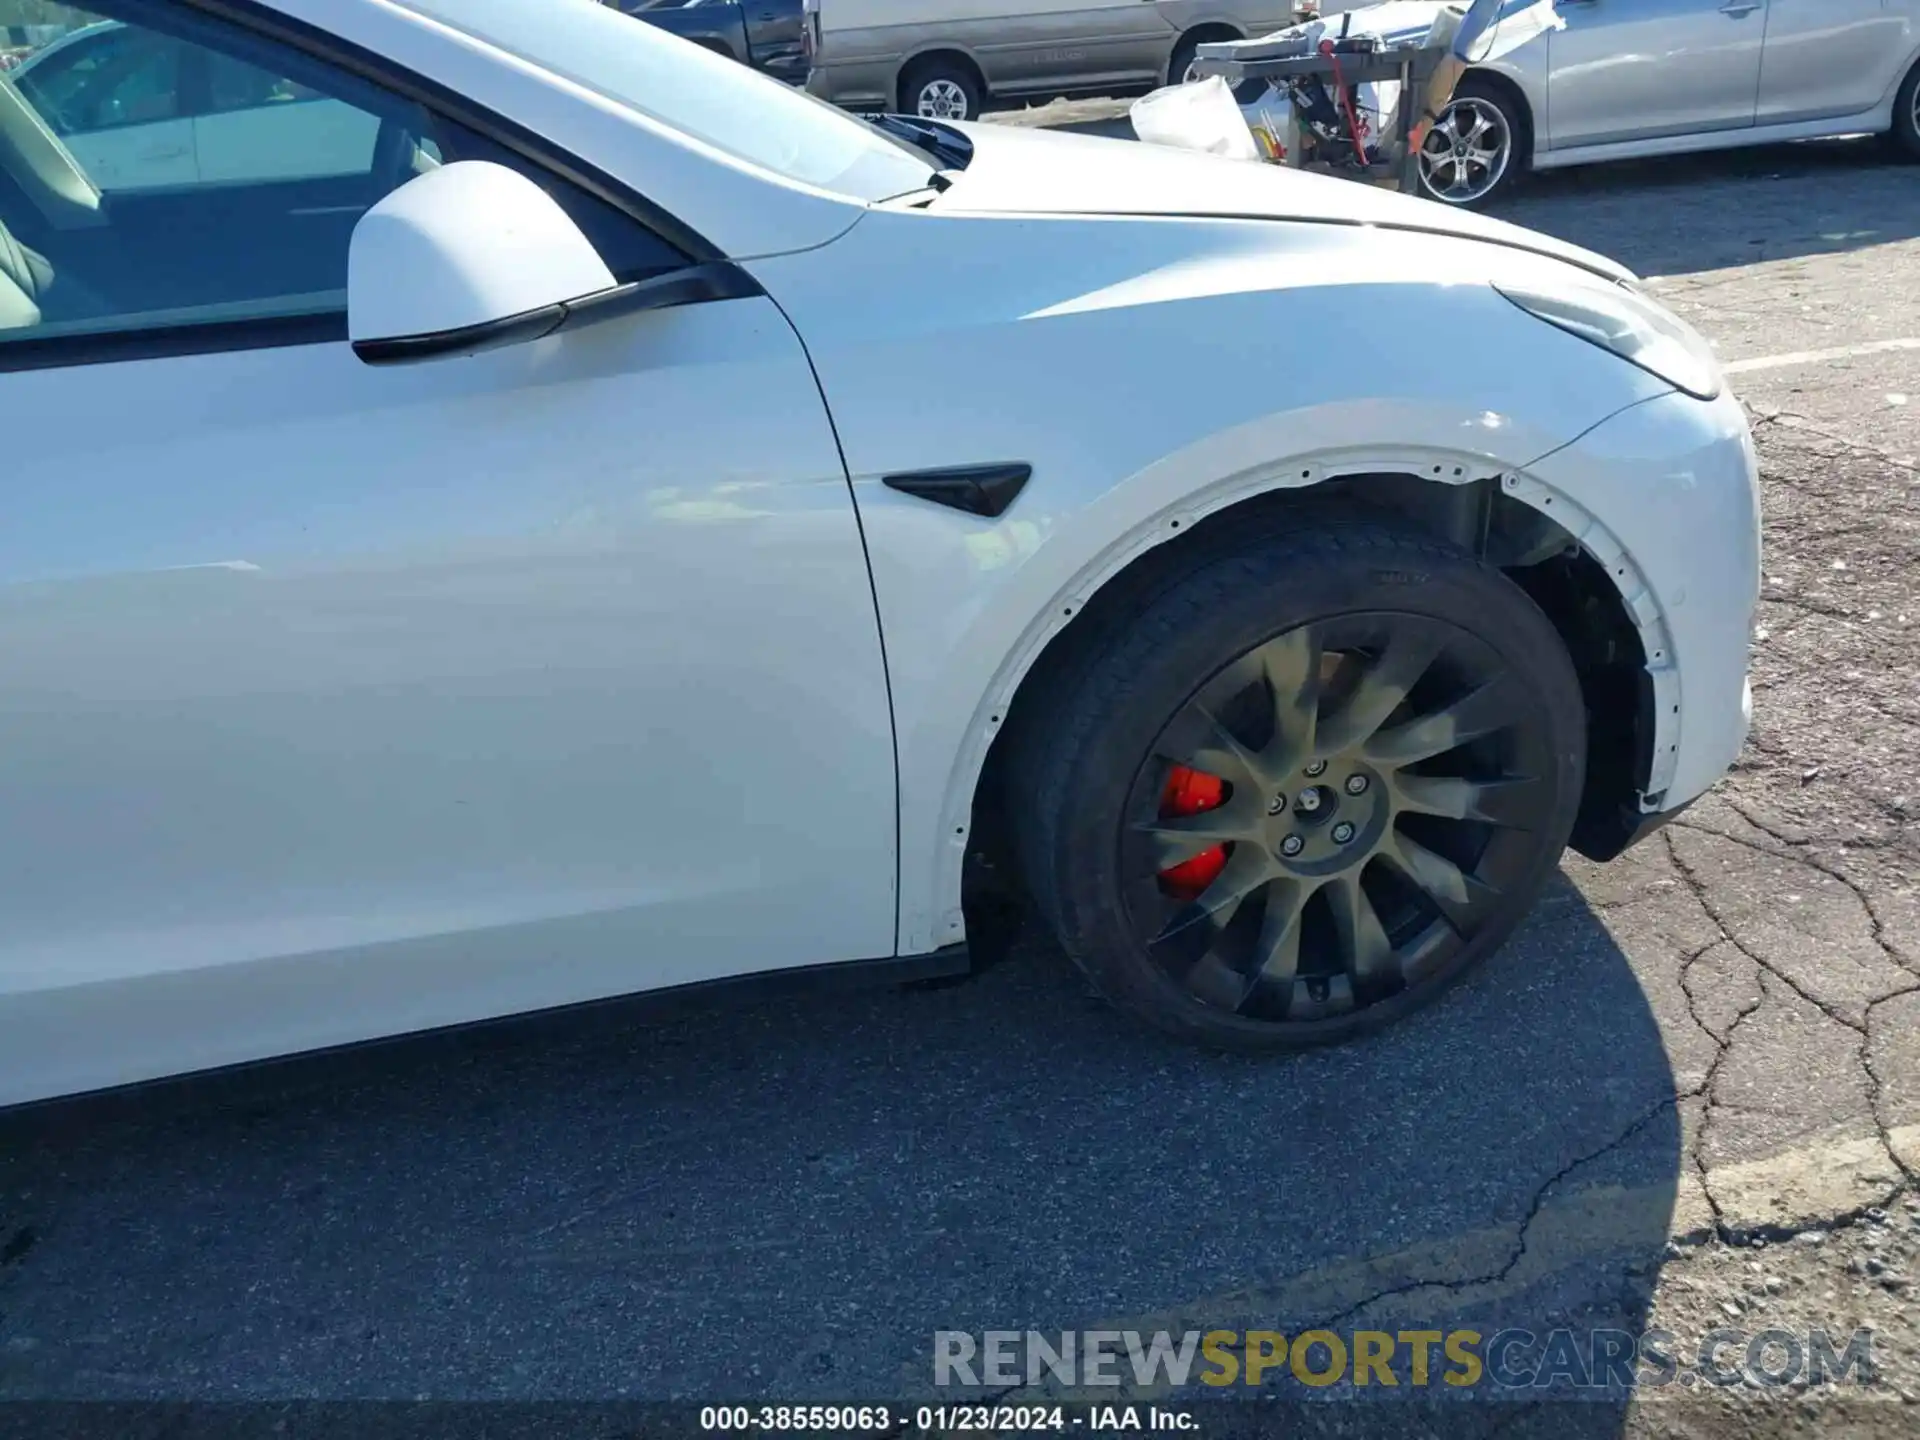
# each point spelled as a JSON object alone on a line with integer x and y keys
{"x": 775, "y": 36}
{"x": 1828, "y": 58}
{"x": 1639, "y": 69}
{"x": 1070, "y": 44}
{"x": 115, "y": 96}
{"x": 339, "y": 701}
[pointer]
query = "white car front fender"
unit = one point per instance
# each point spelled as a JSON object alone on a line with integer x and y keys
{"x": 1147, "y": 387}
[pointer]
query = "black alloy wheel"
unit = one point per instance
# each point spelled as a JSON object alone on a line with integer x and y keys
{"x": 1380, "y": 790}
{"x": 1298, "y": 789}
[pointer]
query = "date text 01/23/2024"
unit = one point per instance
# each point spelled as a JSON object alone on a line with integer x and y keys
{"x": 884, "y": 1419}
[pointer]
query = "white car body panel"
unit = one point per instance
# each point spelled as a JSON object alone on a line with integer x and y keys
{"x": 1663, "y": 474}
{"x": 1636, "y": 69}
{"x": 1832, "y": 57}
{"x": 1216, "y": 414}
{"x": 343, "y": 701}
{"x": 1700, "y": 142}
{"x": 1030, "y": 171}
{"x": 425, "y": 694}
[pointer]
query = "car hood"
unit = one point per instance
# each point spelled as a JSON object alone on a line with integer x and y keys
{"x": 1020, "y": 170}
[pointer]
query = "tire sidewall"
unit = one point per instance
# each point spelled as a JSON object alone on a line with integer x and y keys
{"x": 1518, "y": 145}
{"x": 1182, "y": 59}
{"x": 918, "y": 80}
{"x": 1445, "y": 585}
{"x": 1906, "y": 127}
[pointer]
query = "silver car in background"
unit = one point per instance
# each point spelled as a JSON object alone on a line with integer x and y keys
{"x": 1630, "y": 78}
{"x": 944, "y": 59}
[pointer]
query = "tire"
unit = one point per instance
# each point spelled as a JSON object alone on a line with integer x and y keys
{"x": 1184, "y": 55}
{"x": 1092, "y": 775}
{"x": 1481, "y": 181}
{"x": 941, "y": 89}
{"x": 1905, "y": 135}
{"x": 1187, "y": 51}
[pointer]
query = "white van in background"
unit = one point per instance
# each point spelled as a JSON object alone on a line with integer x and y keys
{"x": 944, "y": 59}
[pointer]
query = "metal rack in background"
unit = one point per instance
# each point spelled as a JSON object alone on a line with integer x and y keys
{"x": 1340, "y": 65}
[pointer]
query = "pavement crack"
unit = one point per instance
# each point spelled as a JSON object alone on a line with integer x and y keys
{"x": 1502, "y": 1271}
{"x": 1687, "y": 962}
{"x": 1721, "y": 1047}
{"x": 1876, "y": 1087}
{"x": 1799, "y": 852}
{"x": 1801, "y": 603}
{"x": 1793, "y": 420}
{"x": 22, "y": 1240}
{"x": 1698, "y": 888}
{"x": 1863, "y": 1029}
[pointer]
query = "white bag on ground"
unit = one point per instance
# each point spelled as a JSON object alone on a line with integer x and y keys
{"x": 1202, "y": 116}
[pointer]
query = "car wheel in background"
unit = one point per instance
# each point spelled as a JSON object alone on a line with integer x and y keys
{"x": 941, "y": 89}
{"x": 1475, "y": 152}
{"x": 1180, "y": 67}
{"x": 1906, "y": 117}
{"x": 1302, "y": 788}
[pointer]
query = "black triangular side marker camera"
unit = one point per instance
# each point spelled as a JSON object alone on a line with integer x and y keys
{"x": 977, "y": 489}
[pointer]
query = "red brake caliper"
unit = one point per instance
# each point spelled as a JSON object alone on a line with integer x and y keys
{"x": 1190, "y": 792}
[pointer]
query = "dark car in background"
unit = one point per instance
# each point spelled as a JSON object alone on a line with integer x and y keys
{"x": 765, "y": 34}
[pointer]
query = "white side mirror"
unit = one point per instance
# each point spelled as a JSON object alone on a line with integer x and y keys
{"x": 472, "y": 256}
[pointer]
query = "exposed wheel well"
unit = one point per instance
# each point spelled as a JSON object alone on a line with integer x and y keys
{"x": 1208, "y": 34}
{"x": 1535, "y": 552}
{"x": 1494, "y": 81}
{"x": 958, "y": 59}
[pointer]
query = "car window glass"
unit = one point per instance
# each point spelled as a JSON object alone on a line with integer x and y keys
{"x": 248, "y": 208}
{"x": 107, "y": 78}
{"x": 705, "y": 97}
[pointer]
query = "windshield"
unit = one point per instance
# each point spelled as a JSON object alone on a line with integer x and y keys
{"x": 713, "y": 100}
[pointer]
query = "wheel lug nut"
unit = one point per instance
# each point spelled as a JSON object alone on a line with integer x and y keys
{"x": 1292, "y": 845}
{"x": 1342, "y": 833}
{"x": 1276, "y": 805}
{"x": 1318, "y": 767}
{"x": 1356, "y": 784}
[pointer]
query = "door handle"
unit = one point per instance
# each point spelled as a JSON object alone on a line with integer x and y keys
{"x": 164, "y": 152}
{"x": 1739, "y": 8}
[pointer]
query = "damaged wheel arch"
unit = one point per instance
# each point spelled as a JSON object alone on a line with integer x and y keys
{"x": 1541, "y": 540}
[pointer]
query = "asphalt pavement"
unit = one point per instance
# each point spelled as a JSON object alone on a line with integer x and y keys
{"x": 1687, "y": 1094}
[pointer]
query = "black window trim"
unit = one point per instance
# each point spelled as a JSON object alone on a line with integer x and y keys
{"x": 164, "y": 342}
{"x": 207, "y": 337}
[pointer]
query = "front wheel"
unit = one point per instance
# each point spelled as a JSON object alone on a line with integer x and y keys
{"x": 941, "y": 90}
{"x": 1304, "y": 789}
{"x": 1906, "y": 117}
{"x": 1180, "y": 69}
{"x": 1472, "y": 155}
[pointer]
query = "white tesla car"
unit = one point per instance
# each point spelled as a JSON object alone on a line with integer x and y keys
{"x": 646, "y": 527}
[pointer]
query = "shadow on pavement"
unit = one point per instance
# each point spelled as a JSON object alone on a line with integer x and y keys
{"x": 1736, "y": 207}
{"x": 786, "y": 1201}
